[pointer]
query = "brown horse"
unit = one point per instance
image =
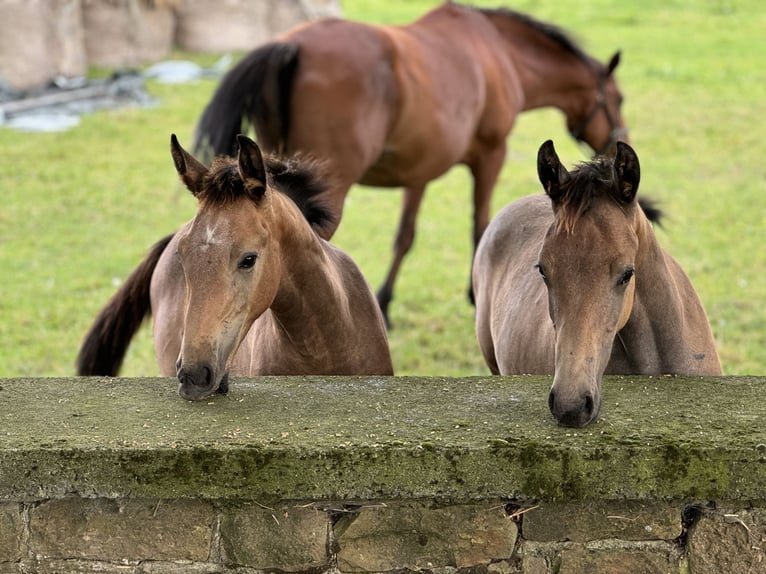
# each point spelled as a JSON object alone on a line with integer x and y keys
{"x": 616, "y": 302}
{"x": 246, "y": 287}
{"x": 399, "y": 105}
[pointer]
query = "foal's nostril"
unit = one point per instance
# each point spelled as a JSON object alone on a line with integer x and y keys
{"x": 196, "y": 376}
{"x": 207, "y": 376}
{"x": 573, "y": 412}
{"x": 589, "y": 405}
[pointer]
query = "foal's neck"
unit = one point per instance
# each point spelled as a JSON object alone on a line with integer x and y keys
{"x": 307, "y": 293}
{"x": 668, "y": 329}
{"x": 656, "y": 280}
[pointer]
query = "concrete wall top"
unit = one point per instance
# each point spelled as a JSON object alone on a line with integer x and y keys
{"x": 333, "y": 438}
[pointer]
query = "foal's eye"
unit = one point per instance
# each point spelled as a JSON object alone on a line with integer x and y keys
{"x": 246, "y": 262}
{"x": 541, "y": 271}
{"x": 626, "y": 276}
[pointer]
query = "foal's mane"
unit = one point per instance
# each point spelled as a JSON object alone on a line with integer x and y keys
{"x": 590, "y": 182}
{"x": 299, "y": 179}
{"x": 556, "y": 34}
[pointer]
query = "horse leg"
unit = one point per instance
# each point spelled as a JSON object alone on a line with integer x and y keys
{"x": 485, "y": 170}
{"x": 405, "y": 236}
{"x": 332, "y": 200}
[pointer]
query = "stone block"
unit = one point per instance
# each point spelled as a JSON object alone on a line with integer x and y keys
{"x": 418, "y": 452}
{"x": 57, "y": 566}
{"x": 40, "y": 39}
{"x": 413, "y": 536}
{"x": 102, "y": 529}
{"x": 601, "y": 519}
{"x": 728, "y": 540}
{"x": 11, "y": 529}
{"x": 578, "y": 559}
{"x": 182, "y": 567}
{"x": 123, "y": 33}
{"x": 288, "y": 539}
{"x": 506, "y": 567}
{"x": 534, "y": 565}
{"x": 213, "y": 26}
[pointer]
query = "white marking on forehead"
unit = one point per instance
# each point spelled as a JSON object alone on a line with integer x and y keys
{"x": 210, "y": 237}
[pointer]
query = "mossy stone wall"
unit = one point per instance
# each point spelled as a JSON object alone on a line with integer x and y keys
{"x": 379, "y": 474}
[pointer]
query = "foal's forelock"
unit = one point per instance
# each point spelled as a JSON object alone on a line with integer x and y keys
{"x": 300, "y": 179}
{"x": 223, "y": 184}
{"x": 587, "y": 184}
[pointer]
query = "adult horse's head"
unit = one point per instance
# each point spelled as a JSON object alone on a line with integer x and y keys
{"x": 230, "y": 263}
{"x": 588, "y": 260}
{"x": 597, "y": 119}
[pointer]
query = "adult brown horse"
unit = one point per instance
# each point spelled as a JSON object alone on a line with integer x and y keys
{"x": 616, "y": 301}
{"x": 247, "y": 287}
{"x": 397, "y": 106}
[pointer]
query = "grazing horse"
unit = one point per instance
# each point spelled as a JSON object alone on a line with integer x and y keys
{"x": 575, "y": 284}
{"x": 398, "y": 106}
{"x": 247, "y": 287}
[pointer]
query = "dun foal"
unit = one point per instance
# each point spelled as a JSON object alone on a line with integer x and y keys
{"x": 247, "y": 287}
{"x": 574, "y": 283}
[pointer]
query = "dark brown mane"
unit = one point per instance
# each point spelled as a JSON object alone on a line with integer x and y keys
{"x": 558, "y": 35}
{"x": 299, "y": 180}
{"x": 222, "y": 184}
{"x": 588, "y": 182}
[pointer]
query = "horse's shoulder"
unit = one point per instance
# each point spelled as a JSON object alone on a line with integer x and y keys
{"x": 342, "y": 263}
{"x": 520, "y": 218}
{"x": 679, "y": 276}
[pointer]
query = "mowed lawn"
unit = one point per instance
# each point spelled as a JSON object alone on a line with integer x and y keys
{"x": 79, "y": 209}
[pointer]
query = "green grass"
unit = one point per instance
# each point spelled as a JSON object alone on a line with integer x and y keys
{"x": 81, "y": 208}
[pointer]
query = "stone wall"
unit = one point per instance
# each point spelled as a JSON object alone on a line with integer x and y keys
{"x": 214, "y": 26}
{"x": 326, "y": 474}
{"x": 42, "y": 39}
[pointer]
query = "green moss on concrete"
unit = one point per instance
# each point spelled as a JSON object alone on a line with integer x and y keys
{"x": 347, "y": 438}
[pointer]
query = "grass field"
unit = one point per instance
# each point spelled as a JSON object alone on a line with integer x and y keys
{"x": 79, "y": 209}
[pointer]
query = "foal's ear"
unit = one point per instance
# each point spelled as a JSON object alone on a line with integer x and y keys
{"x": 189, "y": 169}
{"x": 251, "y": 166}
{"x": 552, "y": 174}
{"x": 613, "y": 63}
{"x": 627, "y": 172}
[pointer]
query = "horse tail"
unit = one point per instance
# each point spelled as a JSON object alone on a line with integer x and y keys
{"x": 653, "y": 213}
{"x": 254, "y": 92}
{"x": 105, "y": 345}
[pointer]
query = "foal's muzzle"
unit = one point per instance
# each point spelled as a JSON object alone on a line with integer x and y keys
{"x": 574, "y": 411}
{"x": 198, "y": 381}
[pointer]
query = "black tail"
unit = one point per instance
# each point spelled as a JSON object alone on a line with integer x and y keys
{"x": 106, "y": 343}
{"x": 652, "y": 212}
{"x": 255, "y": 91}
